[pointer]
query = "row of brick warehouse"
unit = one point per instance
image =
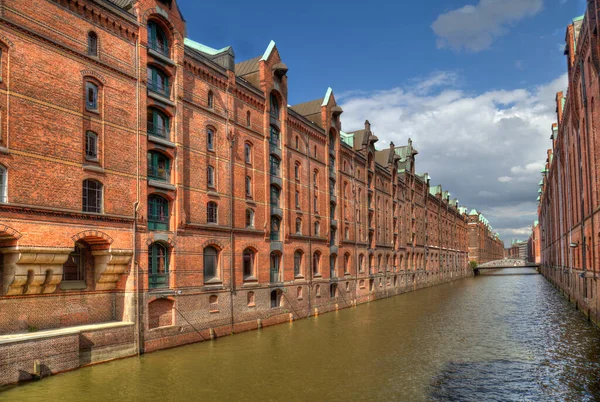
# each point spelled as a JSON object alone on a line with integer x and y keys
{"x": 568, "y": 234}
{"x": 156, "y": 193}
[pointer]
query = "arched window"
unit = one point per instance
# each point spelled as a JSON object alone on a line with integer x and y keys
{"x": 158, "y": 82}
{"x": 361, "y": 263}
{"x": 317, "y": 228}
{"x": 248, "y": 264}
{"x": 210, "y": 100}
{"x": 210, "y": 176}
{"x": 297, "y": 199}
{"x": 248, "y": 120}
{"x": 297, "y": 143}
{"x": 74, "y": 267}
{"x": 92, "y": 196}
{"x": 212, "y": 212}
{"x": 248, "y": 152}
{"x": 297, "y": 263}
{"x": 210, "y": 139}
{"x": 157, "y": 40}
{"x": 91, "y": 146}
{"x": 316, "y": 263}
{"x": 249, "y": 218}
{"x": 275, "y": 267}
{"x": 274, "y": 106}
{"x": 346, "y": 233}
{"x": 248, "y": 186}
{"x": 158, "y": 266}
{"x": 275, "y": 228}
{"x": 316, "y": 178}
{"x": 211, "y": 263}
{"x": 297, "y": 171}
{"x": 275, "y": 192}
{"x": 332, "y": 236}
{"x": 298, "y": 225}
{"x": 158, "y": 167}
{"x": 274, "y": 164}
{"x": 158, "y": 213}
{"x": 3, "y": 184}
{"x": 92, "y": 44}
{"x": 91, "y": 96}
{"x": 158, "y": 124}
{"x": 332, "y": 261}
{"x": 275, "y": 298}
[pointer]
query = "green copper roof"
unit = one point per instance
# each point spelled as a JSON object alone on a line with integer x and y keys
{"x": 327, "y": 96}
{"x": 539, "y": 198}
{"x": 269, "y": 50}
{"x": 541, "y": 183}
{"x": 473, "y": 212}
{"x": 346, "y": 138}
{"x": 540, "y": 191}
{"x": 203, "y": 48}
{"x": 577, "y": 19}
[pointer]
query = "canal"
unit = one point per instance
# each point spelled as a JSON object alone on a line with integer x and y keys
{"x": 489, "y": 338}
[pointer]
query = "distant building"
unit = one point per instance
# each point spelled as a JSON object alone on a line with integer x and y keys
{"x": 484, "y": 244}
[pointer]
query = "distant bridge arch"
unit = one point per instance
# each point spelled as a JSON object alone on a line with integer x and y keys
{"x": 507, "y": 263}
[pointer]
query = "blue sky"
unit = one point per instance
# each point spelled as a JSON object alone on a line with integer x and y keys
{"x": 470, "y": 81}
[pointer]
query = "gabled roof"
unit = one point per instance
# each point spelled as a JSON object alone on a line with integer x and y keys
{"x": 206, "y": 49}
{"x": 247, "y": 67}
{"x": 124, "y": 4}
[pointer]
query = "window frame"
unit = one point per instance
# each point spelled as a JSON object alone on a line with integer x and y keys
{"x": 156, "y": 277}
{"x": 212, "y": 212}
{"x": 158, "y": 213}
{"x": 205, "y": 260}
{"x": 98, "y": 197}
{"x": 92, "y": 43}
{"x": 91, "y": 147}
{"x": 91, "y": 105}
{"x": 210, "y": 139}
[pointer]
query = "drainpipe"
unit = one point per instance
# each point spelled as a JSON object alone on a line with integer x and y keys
{"x": 136, "y": 205}
{"x": 309, "y": 274}
{"x": 136, "y": 269}
{"x": 582, "y": 208}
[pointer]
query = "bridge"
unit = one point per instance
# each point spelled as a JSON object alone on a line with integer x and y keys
{"x": 507, "y": 263}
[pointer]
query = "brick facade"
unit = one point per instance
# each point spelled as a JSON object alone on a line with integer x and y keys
{"x": 568, "y": 202}
{"x": 221, "y": 208}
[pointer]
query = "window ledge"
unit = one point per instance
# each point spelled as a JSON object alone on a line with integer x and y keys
{"x": 73, "y": 285}
{"x": 213, "y": 311}
{"x": 161, "y": 184}
{"x": 160, "y": 141}
{"x": 160, "y": 57}
{"x": 252, "y": 305}
{"x": 94, "y": 111}
{"x": 214, "y": 281}
{"x": 93, "y": 168}
{"x": 250, "y": 279}
{"x": 160, "y": 98}
{"x": 4, "y": 150}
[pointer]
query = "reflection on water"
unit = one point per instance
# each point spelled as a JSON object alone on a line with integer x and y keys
{"x": 490, "y": 338}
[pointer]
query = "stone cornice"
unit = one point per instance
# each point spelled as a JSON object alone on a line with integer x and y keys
{"x": 63, "y": 213}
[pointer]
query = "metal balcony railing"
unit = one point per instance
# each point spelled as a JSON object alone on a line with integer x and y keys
{"x": 158, "y": 131}
{"x": 160, "y": 47}
{"x": 160, "y": 88}
{"x": 159, "y": 173}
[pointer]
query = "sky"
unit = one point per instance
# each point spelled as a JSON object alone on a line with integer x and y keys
{"x": 471, "y": 82}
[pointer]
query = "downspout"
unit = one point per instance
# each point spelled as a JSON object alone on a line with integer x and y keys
{"x": 309, "y": 274}
{"x": 136, "y": 205}
{"x": 136, "y": 269}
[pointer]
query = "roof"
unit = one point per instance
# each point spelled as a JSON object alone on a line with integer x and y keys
{"x": 347, "y": 138}
{"x": 124, "y": 4}
{"x": 203, "y": 48}
{"x": 247, "y": 67}
{"x": 327, "y": 96}
{"x": 308, "y": 108}
{"x": 268, "y": 51}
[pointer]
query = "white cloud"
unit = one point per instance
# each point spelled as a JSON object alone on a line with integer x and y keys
{"x": 475, "y": 27}
{"x": 486, "y": 148}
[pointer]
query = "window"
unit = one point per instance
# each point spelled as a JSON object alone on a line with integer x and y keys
{"x": 158, "y": 167}
{"x": 275, "y": 227}
{"x": 297, "y": 171}
{"x": 274, "y": 106}
{"x": 274, "y": 164}
{"x": 158, "y": 213}
{"x": 157, "y": 40}
{"x": 317, "y": 228}
{"x": 275, "y": 262}
{"x": 274, "y": 138}
{"x": 316, "y": 263}
{"x": 212, "y": 210}
{"x": 332, "y": 261}
{"x": 92, "y": 44}
{"x": 92, "y": 196}
{"x": 275, "y": 196}
{"x": 158, "y": 82}
{"x": 3, "y": 184}
{"x": 297, "y": 263}
{"x": 275, "y": 298}
{"x": 248, "y": 120}
{"x": 248, "y": 153}
{"x": 210, "y": 176}
{"x": 158, "y": 124}
{"x": 298, "y": 226}
{"x": 316, "y": 204}
{"x": 158, "y": 266}
{"x": 333, "y": 290}
{"x": 91, "y": 96}
{"x": 315, "y": 151}
{"x": 297, "y": 143}
{"x": 210, "y": 100}
{"x": 248, "y": 264}
{"x": 316, "y": 178}
{"x": 346, "y": 233}
{"x": 347, "y": 263}
{"x": 248, "y": 186}
{"x": 91, "y": 146}
{"x": 297, "y": 199}
{"x": 332, "y": 236}
{"x": 74, "y": 267}
{"x": 249, "y": 218}
{"x": 210, "y": 139}
{"x": 211, "y": 261}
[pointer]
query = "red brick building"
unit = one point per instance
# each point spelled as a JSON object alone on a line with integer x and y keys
{"x": 568, "y": 204}
{"x": 484, "y": 244}
{"x": 156, "y": 193}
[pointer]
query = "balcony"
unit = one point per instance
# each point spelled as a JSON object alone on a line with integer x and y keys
{"x": 159, "y": 134}
{"x": 159, "y": 47}
{"x": 160, "y": 92}
{"x": 158, "y": 222}
{"x": 158, "y": 280}
{"x": 160, "y": 177}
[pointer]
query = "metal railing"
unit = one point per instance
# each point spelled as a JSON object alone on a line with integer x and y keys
{"x": 158, "y": 131}
{"x": 159, "y": 173}
{"x": 160, "y": 88}
{"x": 160, "y": 47}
